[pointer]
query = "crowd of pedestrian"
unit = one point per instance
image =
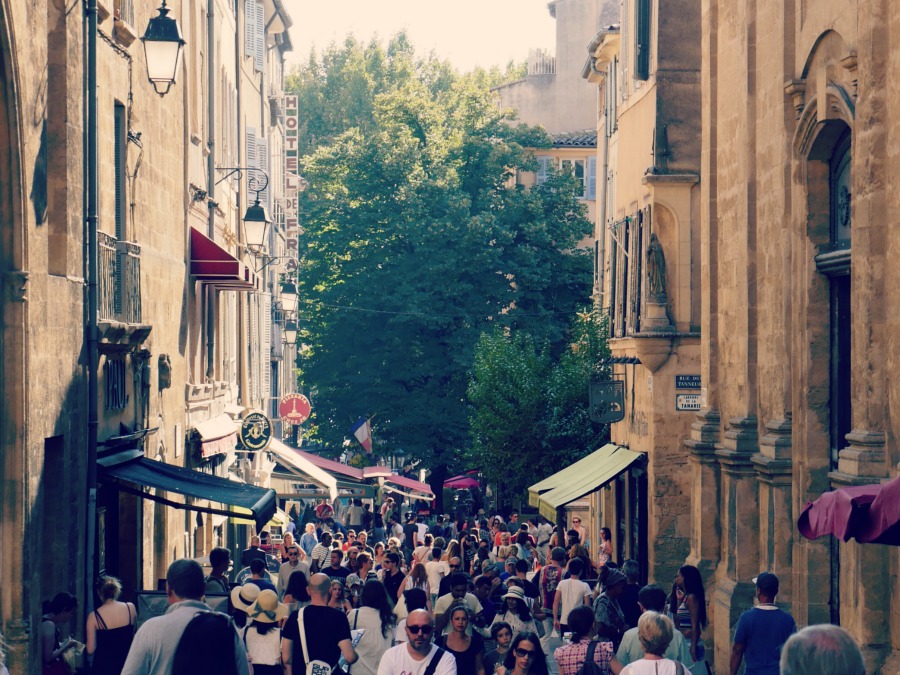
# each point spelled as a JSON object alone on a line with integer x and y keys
{"x": 370, "y": 596}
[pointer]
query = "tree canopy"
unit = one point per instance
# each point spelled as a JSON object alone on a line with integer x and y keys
{"x": 416, "y": 240}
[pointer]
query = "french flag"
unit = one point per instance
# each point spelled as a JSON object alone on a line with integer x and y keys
{"x": 362, "y": 430}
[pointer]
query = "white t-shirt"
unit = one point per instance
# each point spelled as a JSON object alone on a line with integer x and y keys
{"x": 648, "y": 667}
{"x": 571, "y": 592}
{"x": 443, "y": 604}
{"x": 397, "y": 661}
{"x": 436, "y": 570}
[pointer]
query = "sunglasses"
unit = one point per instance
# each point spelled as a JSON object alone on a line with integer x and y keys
{"x": 453, "y": 567}
{"x": 426, "y": 630}
{"x": 576, "y": 521}
{"x": 524, "y": 653}
{"x": 293, "y": 554}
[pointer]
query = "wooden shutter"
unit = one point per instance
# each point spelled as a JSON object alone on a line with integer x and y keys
{"x": 592, "y": 177}
{"x": 251, "y": 7}
{"x": 259, "y": 56}
{"x": 642, "y": 40}
{"x": 262, "y": 162}
{"x": 265, "y": 361}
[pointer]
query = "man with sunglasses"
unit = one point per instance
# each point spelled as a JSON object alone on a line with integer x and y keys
{"x": 418, "y": 656}
{"x": 294, "y": 564}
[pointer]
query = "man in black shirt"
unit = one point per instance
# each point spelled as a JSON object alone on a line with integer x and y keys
{"x": 326, "y": 629}
{"x": 391, "y": 576}
{"x": 336, "y": 570}
{"x": 410, "y": 534}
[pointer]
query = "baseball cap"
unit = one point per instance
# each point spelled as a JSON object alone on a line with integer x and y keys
{"x": 767, "y": 583}
{"x": 353, "y": 580}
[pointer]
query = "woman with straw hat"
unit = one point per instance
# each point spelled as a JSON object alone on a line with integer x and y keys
{"x": 242, "y": 598}
{"x": 261, "y": 636}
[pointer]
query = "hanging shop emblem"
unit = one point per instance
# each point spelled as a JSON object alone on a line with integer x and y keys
{"x": 256, "y": 431}
{"x": 607, "y": 401}
{"x": 294, "y": 409}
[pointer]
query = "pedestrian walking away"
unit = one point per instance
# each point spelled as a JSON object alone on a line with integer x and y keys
{"x": 761, "y": 631}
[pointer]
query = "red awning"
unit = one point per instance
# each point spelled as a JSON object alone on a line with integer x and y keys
{"x": 462, "y": 482}
{"x": 868, "y": 513}
{"x": 213, "y": 265}
{"x": 332, "y": 466}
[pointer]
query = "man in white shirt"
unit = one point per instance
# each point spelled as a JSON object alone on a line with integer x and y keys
{"x": 653, "y": 599}
{"x": 570, "y": 593}
{"x": 458, "y": 595}
{"x": 436, "y": 569}
{"x": 413, "y": 657}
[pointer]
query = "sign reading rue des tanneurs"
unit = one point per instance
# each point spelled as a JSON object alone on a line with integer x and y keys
{"x": 256, "y": 431}
{"x": 687, "y": 382}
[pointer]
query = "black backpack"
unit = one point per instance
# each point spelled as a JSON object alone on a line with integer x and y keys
{"x": 206, "y": 645}
{"x": 590, "y": 667}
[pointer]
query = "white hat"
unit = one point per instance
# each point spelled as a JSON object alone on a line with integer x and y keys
{"x": 244, "y": 596}
{"x": 267, "y": 609}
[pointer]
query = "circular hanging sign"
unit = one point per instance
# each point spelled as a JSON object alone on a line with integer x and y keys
{"x": 256, "y": 431}
{"x": 294, "y": 408}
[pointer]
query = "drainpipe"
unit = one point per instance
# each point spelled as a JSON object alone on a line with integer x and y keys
{"x": 243, "y": 302}
{"x": 211, "y": 179}
{"x": 601, "y": 211}
{"x": 92, "y": 176}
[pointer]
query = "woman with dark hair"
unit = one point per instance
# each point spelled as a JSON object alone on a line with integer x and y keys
{"x": 571, "y": 657}
{"x": 605, "y": 553}
{"x": 110, "y": 629}
{"x": 376, "y": 617}
{"x": 261, "y": 637}
{"x": 414, "y": 599}
{"x": 687, "y": 604}
{"x": 515, "y": 612}
{"x": 525, "y": 657}
{"x": 58, "y": 612}
{"x": 296, "y": 594}
{"x": 468, "y": 650}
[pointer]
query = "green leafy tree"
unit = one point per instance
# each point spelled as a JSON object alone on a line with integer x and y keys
{"x": 416, "y": 240}
{"x": 530, "y": 412}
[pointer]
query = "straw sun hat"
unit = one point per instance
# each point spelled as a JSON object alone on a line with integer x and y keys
{"x": 267, "y": 609}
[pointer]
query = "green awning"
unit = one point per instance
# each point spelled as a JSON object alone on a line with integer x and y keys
{"x": 581, "y": 478}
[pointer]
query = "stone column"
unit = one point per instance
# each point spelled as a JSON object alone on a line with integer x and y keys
{"x": 706, "y": 541}
{"x": 739, "y": 517}
{"x": 774, "y": 473}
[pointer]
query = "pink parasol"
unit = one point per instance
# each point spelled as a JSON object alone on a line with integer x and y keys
{"x": 868, "y": 513}
{"x": 461, "y": 483}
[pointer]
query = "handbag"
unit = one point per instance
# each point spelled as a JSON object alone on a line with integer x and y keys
{"x": 316, "y": 667}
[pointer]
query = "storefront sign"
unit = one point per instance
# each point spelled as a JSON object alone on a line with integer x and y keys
{"x": 256, "y": 431}
{"x": 294, "y": 409}
{"x": 607, "y": 401}
{"x": 687, "y": 381}
{"x": 687, "y": 401}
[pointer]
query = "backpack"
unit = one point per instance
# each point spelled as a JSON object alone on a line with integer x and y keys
{"x": 590, "y": 667}
{"x": 206, "y": 645}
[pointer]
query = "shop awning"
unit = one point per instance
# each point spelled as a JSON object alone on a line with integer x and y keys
{"x": 298, "y": 464}
{"x": 280, "y": 519}
{"x": 408, "y": 487}
{"x": 583, "y": 477}
{"x": 214, "y": 265}
{"x": 333, "y": 467}
{"x": 144, "y": 472}
{"x": 217, "y": 436}
{"x": 868, "y": 513}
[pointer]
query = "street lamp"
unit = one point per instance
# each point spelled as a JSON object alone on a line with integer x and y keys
{"x": 289, "y": 297}
{"x": 290, "y": 331}
{"x": 163, "y": 45}
{"x": 257, "y": 217}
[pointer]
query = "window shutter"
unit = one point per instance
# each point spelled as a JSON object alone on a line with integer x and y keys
{"x": 592, "y": 177}
{"x": 250, "y": 23}
{"x": 265, "y": 361}
{"x": 541, "y": 175}
{"x": 259, "y": 56}
{"x": 642, "y": 40}
{"x": 254, "y": 347}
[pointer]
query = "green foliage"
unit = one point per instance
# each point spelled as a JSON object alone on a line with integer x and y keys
{"x": 529, "y": 411}
{"x": 417, "y": 240}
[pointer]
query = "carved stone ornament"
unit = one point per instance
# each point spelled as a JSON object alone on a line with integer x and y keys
{"x": 15, "y": 283}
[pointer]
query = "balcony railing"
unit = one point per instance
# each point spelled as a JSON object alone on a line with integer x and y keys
{"x": 119, "y": 280}
{"x": 541, "y": 62}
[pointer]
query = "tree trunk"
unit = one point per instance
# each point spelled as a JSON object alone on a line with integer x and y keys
{"x": 436, "y": 481}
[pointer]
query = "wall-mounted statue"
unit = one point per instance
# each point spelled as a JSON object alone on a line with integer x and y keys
{"x": 656, "y": 271}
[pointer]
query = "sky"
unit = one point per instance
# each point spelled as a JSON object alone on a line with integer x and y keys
{"x": 469, "y": 33}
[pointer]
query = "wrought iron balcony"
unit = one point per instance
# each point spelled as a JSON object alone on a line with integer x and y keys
{"x": 119, "y": 280}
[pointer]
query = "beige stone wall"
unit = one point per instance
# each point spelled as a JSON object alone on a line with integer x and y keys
{"x": 775, "y": 102}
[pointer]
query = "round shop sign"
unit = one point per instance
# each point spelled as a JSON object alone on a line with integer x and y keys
{"x": 256, "y": 431}
{"x": 294, "y": 408}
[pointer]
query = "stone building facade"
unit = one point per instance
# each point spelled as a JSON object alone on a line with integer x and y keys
{"x": 797, "y": 346}
{"x": 647, "y": 69}
{"x": 176, "y": 353}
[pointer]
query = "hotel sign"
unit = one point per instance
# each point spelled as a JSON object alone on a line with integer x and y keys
{"x": 292, "y": 180}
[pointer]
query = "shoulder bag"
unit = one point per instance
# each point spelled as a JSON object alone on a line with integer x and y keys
{"x": 316, "y": 667}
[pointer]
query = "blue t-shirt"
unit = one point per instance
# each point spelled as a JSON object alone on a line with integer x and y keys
{"x": 763, "y": 631}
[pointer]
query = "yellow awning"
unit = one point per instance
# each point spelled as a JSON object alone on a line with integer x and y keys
{"x": 584, "y": 476}
{"x": 280, "y": 519}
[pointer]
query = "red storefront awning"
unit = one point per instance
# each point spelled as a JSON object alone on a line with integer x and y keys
{"x": 408, "y": 487}
{"x": 213, "y": 265}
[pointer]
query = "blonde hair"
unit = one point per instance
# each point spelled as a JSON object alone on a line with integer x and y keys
{"x": 655, "y": 632}
{"x": 109, "y": 588}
